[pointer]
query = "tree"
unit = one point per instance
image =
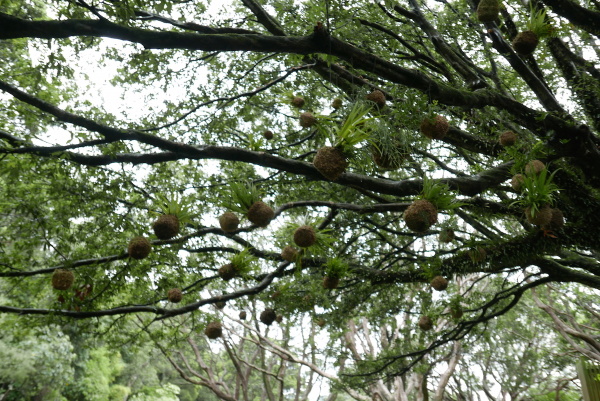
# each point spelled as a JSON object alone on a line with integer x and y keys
{"x": 432, "y": 112}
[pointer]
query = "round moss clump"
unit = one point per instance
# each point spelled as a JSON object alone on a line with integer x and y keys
{"x": 488, "y": 10}
{"x": 139, "y": 248}
{"x": 542, "y": 217}
{"x": 337, "y": 103}
{"x": 62, "y": 279}
{"x": 525, "y": 43}
{"x": 220, "y": 304}
{"x": 507, "y": 138}
{"x": 243, "y": 315}
{"x": 435, "y": 128}
{"x": 331, "y": 162}
{"x": 307, "y": 120}
{"x": 297, "y": 102}
{"x": 305, "y": 236}
{"x": 330, "y": 282}
{"x": 425, "y": 323}
{"x": 227, "y": 272}
{"x": 289, "y": 253}
{"x": 175, "y": 295}
{"x": 439, "y": 283}
{"x": 477, "y": 255}
{"x": 385, "y": 161}
{"x": 229, "y": 222}
{"x": 420, "y": 215}
{"x": 534, "y": 167}
{"x": 166, "y": 226}
{"x": 558, "y": 220}
{"x": 517, "y": 182}
{"x": 268, "y": 135}
{"x": 213, "y": 330}
{"x": 447, "y": 235}
{"x": 321, "y": 322}
{"x": 456, "y": 312}
{"x": 279, "y": 318}
{"x": 260, "y": 214}
{"x": 268, "y": 316}
{"x": 377, "y": 97}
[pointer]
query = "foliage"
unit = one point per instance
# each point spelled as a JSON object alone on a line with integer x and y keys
{"x": 112, "y": 108}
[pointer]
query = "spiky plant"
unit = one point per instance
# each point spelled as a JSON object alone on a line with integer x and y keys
{"x": 422, "y": 213}
{"x": 174, "y": 213}
{"x": 213, "y": 330}
{"x": 331, "y": 161}
{"x": 139, "y": 248}
{"x": 62, "y": 279}
{"x": 335, "y": 269}
{"x": 245, "y": 199}
{"x": 538, "y": 191}
{"x": 175, "y": 295}
{"x": 538, "y": 27}
{"x": 240, "y": 264}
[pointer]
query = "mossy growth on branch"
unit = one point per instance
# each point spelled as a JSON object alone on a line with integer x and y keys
{"x": 246, "y": 199}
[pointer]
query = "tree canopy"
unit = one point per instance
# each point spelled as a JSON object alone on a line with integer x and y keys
{"x": 337, "y": 159}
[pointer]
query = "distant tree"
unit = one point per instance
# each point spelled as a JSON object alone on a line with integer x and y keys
{"x": 157, "y": 157}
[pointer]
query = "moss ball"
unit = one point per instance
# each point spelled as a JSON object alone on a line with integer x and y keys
{"x": 435, "y": 128}
{"x": 337, "y": 103}
{"x": 517, "y": 182}
{"x": 139, "y": 248}
{"x": 439, "y": 283}
{"x": 260, "y": 214}
{"x": 377, "y": 97}
{"x": 305, "y": 236}
{"x": 477, "y": 255}
{"x": 268, "y": 316}
{"x": 213, "y": 330}
{"x": 447, "y": 235}
{"x": 62, "y": 279}
{"x": 243, "y": 315}
{"x": 534, "y": 167}
{"x": 166, "y": 226}
{"x": 542, "y": 217}
{"x": 268, "y": 135}
{"x": 330, "y": 282}
{"x": 525, "y": 43}
{"x": 289, "y": 253}
{"x": 331, "y": 162}
{"x": 420, "y": 215}
{"x": 307, "y": 120}
{"x": 488, "y": 10}
{"x": 175, "y": 295}
{"x": 507, "y": 138}
{"x": 227, "y": 271}
{"x": 229, "y": 222}
{"x": 297, "y": 102}
{"x": 425, "y": 323}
